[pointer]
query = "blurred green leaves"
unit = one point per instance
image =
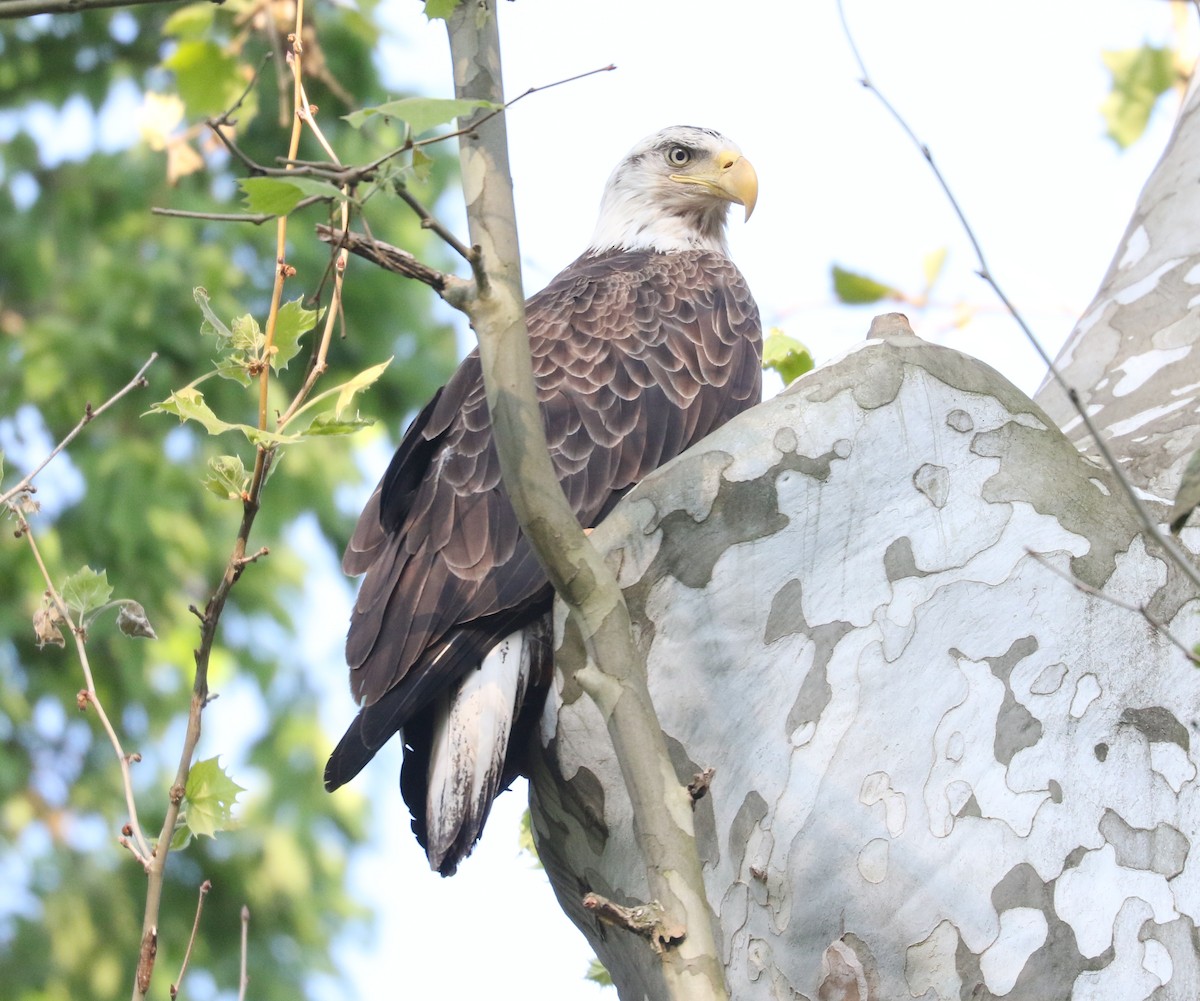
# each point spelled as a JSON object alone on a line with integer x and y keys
{"x": 90, "y": 284}
{"x": 1139, "y": 78}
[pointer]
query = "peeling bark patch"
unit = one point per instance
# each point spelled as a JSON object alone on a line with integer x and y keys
{"x": 1178, "y": 968}
{"x": 1043, "y": 467}
{"x": 934, "y": 482}
{"x": 1016, "y": 727}
{"x": 1101, "y": 752}
{"x": 899, "y": 561}
{"x": 815, "y": 691}
{"x": 749, "y": 816}
{"x": 960, "y": 420}
{"x": 1050, "y": 680}
{"x": 583, "y": 799}
{"x": 928, "y": 965}
{"x": 970, "y": 808}
{"x": 1050, "y": 970}
{"x": 1161, "y": 849}
{"x": 1056, "y": 793}
{"x": 743, "y": 510}
{"x": 786, "y": 617}
{"x": 1158, "y": 725}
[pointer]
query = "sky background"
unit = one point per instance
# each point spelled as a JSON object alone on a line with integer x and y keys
{"x": 1006, "y": 96}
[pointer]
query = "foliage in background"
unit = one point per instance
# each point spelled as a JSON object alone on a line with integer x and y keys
{"x": 90, "y": 284}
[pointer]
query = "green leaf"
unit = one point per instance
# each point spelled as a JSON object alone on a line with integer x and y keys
{"x": 212, "y": 323}
{"x": 188, "y": 405}
{"x": 234, "y": 366}
{"x": 933, "y": 264}
{"x": 85, "y": 590}
{"x": 421, "y": 113}
{"x": 785, "y": 355}
{"x": 598, "y": 973}
{"x": 228, "y": 478}
{"x": 326, "y": 425}
{"x": 422, "y": 165}
{"x": 279, "y": 195}
{"x": 857, "y": 290}
{"x": 1188, "y": 496}
{"x": 292, "y": 322}
{"x": 440, "y": 9}
{"x": 210, "y": 795}
{"x": 247, "y": 335}
{"x": 349, "y": 389}
{"x": 1139, "y": 78}
{"x": 210, "y": 79}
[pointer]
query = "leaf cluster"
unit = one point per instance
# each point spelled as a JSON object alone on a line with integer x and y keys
{"x": 90, "y": 284}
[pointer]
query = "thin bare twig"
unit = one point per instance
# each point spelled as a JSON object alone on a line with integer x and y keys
{"x": 28, "y": 8}
{"x": 89, "y": 415}
{"x": 255, "y": 219}
{"x": 1113, "y": 600}
{"x": 139, "y": 847}
{"x": 1147, "y": 519}
{"x": 187, "y": 955}
{"x": 244, "y": 978}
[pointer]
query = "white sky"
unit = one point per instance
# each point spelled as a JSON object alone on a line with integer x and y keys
{"x": 1007, "y": 98}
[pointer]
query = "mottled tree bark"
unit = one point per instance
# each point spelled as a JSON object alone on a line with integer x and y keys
{"x": 942, "y": 769}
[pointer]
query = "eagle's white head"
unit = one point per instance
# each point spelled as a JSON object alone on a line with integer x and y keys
{"x": 672, "y": 192}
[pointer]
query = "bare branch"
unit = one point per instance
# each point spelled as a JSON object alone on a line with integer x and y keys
{"x": 615, "y": 675}
{"x": 645, "y": 920}
{"x": 243, "y": 978}
{"x": 187, "y": 955}
{"x": 28, "y": 8}
{"x": 89, "y": 415}
{"x": 388, "y": 257}
{"x": 139, "y": 846}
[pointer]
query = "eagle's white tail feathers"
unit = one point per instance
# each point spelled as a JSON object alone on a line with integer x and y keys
{"x": 470, "y": 740}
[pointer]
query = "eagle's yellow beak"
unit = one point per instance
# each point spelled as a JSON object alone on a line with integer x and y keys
{"x": 730, "y": 176}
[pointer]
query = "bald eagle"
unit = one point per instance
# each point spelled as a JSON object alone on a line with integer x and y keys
{"x": 641, "y": 347}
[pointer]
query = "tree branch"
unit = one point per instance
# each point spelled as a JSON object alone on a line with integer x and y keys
{"x": 89, "y": 415}
{"x": 615, "y": 677}
{"x": 28, "y": 8}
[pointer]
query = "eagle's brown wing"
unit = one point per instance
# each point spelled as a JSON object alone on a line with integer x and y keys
{"x": 636, "y": 356}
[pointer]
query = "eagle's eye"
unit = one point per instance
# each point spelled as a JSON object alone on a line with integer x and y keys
{"x": 679, "y": 156}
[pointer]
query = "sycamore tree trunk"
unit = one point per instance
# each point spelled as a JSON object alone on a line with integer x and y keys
{"x": 942, "y": 770}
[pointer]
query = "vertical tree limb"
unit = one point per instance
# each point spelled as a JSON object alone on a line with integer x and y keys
{"x": 615, "y": 675}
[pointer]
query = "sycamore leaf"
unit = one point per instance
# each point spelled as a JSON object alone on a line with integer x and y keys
{"x": 210, "y": 795}
{"x": 279, "y": 195}
{"x": 210, "y": 79}
{"x": 422, "y": 165}
{"x": 292, "y": 322}
{"x": 212, "y": 323}
{"x": 857, "y": 290}
{"x": 188, "y": 405}
{"x": 440, "y": 9}
{"x": 235, "y": 366}
{"x": 349, "y": 389}
{"x": 228, "y": 478}
{"x": 1188, "y": 496}
{"x": 1139, "y": 78}
{"x": 247, "y": 335}
{"x": 326, "y": 425}
{"x": 785, "y": 355}
{"x": 421, "y": 113}
{"x": 182, "y": 836}
{"x": 132, "y": 621}
{"x": 85, "y": 590}
{"x": 598, "y": 973}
